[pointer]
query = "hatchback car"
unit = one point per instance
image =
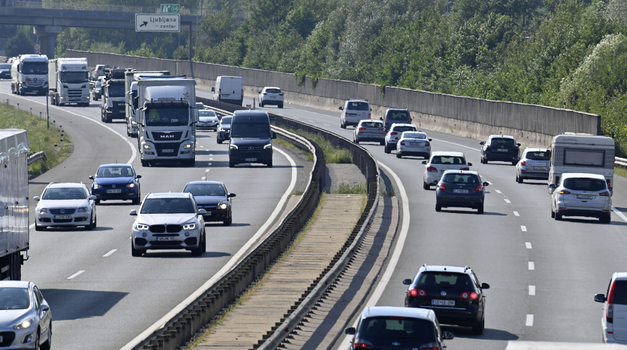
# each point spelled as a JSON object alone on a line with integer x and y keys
{"x": 168, "y": 221}
{"x": 399, "y": 328}
{"x": 413, "y": 143}
{"x": 224, "y": 129}
{"x": 396, "y": 116}
{"x": 440, "y": 162}
{"x": 534, "y": 164}
{"x": 65, "y": 204}
{"x": 96, "y": 91}
{"x": 271, "y": 95}
{"x": 394, "y": 133}
{"x": 453, "y": 293}
{"x": 461, "y": 189}
{"x": 207, "y": 120}
{"x": 369, "y": 131}
{"x": 581, "y": 194}
{"x": 353, "y": 112}
{"x": 499, "y": 148}
{"x": 5, "y": 70}
{"x": 25, "y": 316}
{"x": 214, "y": 198}
{"x": 614, "y": 320}
{"x": 116, "y": 181}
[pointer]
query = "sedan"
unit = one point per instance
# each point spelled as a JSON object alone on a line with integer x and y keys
{"x": 96, "y": 91}
{"x": 369, "y": 130}
{"x": 533, "y": 164}
{"x": 460, "y": 189}
{"x": 116, "y": 181}
{"x": 25, "y": 317}
{"x": 65, "y": 204}
{"x": 214, "y": 198}
{"x": 207, "y": 120}
{"x": 581, "y": 194}
{"x": 413, "y": 143}
{"x": 224, "y": 129}
{"x": 5, "y": 71}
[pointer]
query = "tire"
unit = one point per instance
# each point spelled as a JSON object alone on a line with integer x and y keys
{"x": 343, "y": 126}
{"x": 398, "y": 155}
{"x": 218, "y": 141}
{"x": 137, "y": 200}
{"x": 261, "y": 104}
{"x": 558, "y": 216}
{"x": 606, "y": 219}
{"x": 36, "y": 340}
{"x": 191, "y": 162}
{"x": 198, "y": 250}
{"x": 145, "y": 163}
{"x": 426, "y": 186}
{"x": 483, "y": 161}
{"x": 480, "y": 209}
{"x": 269, "y": 164}
{"x": 519, "y": 179}
{"x": 204, "y": 243}
{"x": 228, "y": 221}
{"x": 438, "y": 208}
{"x": 281, "y": 105}
{"x": 382, "y": 143}
{"x": 387, "y": 149}
{"x": 39, "y": 228}
{"x": 48, "y": 344}
{"x": 478, "y": 328}
{"x": 97, "y": 201}
{"x": 94, "y": 224}
{"x": 552, "y": 214}
{"x": 136, "y": 252}
{"x": 514, "y": 162}
{"x": 231, "y": 164}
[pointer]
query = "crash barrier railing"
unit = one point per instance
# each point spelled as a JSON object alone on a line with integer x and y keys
{"x": 37, "y": 156}
{"x": 620, "y": 162}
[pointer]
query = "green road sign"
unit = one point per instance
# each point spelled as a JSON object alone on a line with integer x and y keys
{"x": 170, "y": 8}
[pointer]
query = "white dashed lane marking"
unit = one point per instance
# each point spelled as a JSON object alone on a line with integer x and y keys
{"x": 516, "y": 213}
{"x": 523, "y": 228}
{"x": 529, "y": 321}
{"x": 532, "y": 266}
{"x": 75, "y": 275}
{"x": 528, "y": 245}
{"x": 507, "y": 201}
{"x": 109, "y": 253}
{"x": 532, "y": 290}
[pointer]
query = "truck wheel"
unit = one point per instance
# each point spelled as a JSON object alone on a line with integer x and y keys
{"x": 136, "y": 252}
{"x": 218, "y": 141}
{"x": 145, "y": 163}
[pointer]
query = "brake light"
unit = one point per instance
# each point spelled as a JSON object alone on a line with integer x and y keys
{"x": 564, "y": 192}
{"x": 394, "y": 133}
{"x": 426, "y": 143}
{"x": 362, "y": 128}
{"x": 609, "y": 315}
{"x": 441, "y": 186}
{"x": 415, "y": 292}
{"x": 403, "y": 143}
{"x": 430, "y": 348}
{"x": 466, "y": 168}
{"x": 523, "y": 163}
{"x": 432, "y": 169}
{"x": 469, "y": 295}
{"x": 479, "y": 188}
{"x": 604, "y": 194}
{"x": 382, "y": 129}
{"x": 265, "y": 93}
{"x": 487, "y": 147}
{"x": 368, "y": 115}
{"x": 608, "y": 182}
{"x": 362, "y": 345}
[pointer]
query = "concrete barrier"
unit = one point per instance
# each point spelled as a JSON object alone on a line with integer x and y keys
{"x": 532, "y": 125}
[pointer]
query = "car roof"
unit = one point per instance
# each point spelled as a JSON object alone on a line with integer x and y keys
{"x": 501, "y": 136}
{"x": 272, "y": 87}
{"x": 250, "y": 112}
{"x": 382, "y": 311}
{"x": 445, "y": 268}
{"x": 397, "y": 109}
{"x": 202, "y": 182}
{"x": 371, "y": 121}
{"x": 14, "y": 284}
{"x": 473, "y": 172}
{"x": 402, "y": 124}
{"x": 413, "y": 132}
{"x": 356, "y": 100}
{"x": 589, "y": 175}
{"x": 447, "y": 153}
{"x": 169, "y": 195}
{"x": 66, "y": 184}
{"x": 116, "y": 164}
{"x": 530, "y": 149}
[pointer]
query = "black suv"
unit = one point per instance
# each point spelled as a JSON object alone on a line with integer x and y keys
{"x": 453, "y": 293}
{"x": 499, "y": 147}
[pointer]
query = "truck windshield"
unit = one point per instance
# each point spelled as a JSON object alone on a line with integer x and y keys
{"x": 34, "y": 68}
{"x": 116, "y": 90}
{"x": 167, "y": 116}
{"x": 259, "y": 130}
{"x": 74, "y": 77}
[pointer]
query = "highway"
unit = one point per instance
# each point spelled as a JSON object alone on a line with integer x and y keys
{"x": 100, "y": 296}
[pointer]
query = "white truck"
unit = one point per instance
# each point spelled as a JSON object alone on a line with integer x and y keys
{"x": 14, "y": 207}
{"x": 581, "y": 153}
{"x": 166, "y": 120}
{"x": 29, "y": 74}
{"x": 130, "y": 97}
{"x": 68, "y": 80}
{"x": 113, "y": 96}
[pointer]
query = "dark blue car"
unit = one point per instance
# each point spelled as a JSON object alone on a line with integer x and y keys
{"x": 116, "y": 182}
{"x": 214, "y": 198}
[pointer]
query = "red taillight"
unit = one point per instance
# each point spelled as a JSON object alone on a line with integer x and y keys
{"x": 403, "y": 143}
{"x": 426, "y": 143}
{"x": 479, "y": 188}
{"x": 415, "y": 292}
{"x": 430, "y": 348}
{"x": 609, "y": 315}
{"x": 362, "y": 128}
{"x": 219, "y": 91}
{"x": 381, "y": 129}
{"x": 604, "y": 194}
{"x": 432, "y": 169}
{"x": 487, "y": 147}
{"x": 362, "y": 345}
{"x": 442, "y": 187}
{"x": 564, "y": 192}
{"x": 394, "y": 133}
{"x": 523, "y": 163}
{"x": 368, "y": 115}
{"x": 466, "y": 168}
{"x": 469, "y": 295}
{"x": 608, "y": 182}
{"x": 265, "y": 93}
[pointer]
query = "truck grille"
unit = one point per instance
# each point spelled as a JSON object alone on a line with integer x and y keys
{"x": 165, "y": 228}
{"x": 167, "y": 136}
{"x": 75, "y": 94}
{"x": 251, "y": 150}
{"x": 167, "y": 149}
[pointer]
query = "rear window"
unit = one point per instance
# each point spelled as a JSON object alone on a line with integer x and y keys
{"x": 358, "y": 106}
{"x": 273, "y": 91}
{"x": 444, "y": 280}
{"x": 539, "y": 155}
{"x": 502, "y": 142}
{"x": 387, "y": 329}
{"x": 372, "y": 124}
{"x": 5, "y": 66}
{"x": 584, "y": 184}
{"x": 620, "y": 292}
{"x": 404, "y": 128}
{"x": 447, "y": 160}
{"x": 462, "y": 178}
{"x": 398, "y": 115}
{"x": 414, "y": 135}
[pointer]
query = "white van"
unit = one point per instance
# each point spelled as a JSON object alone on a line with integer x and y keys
{"x": 229, "y": 89}
{"x": 581, "y": 153}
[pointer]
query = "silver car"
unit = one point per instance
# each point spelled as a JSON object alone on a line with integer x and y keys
{"x": 207, "y": 120}
{"x": 413, "y": 143}
{"x": 354, "y": 111}
{"x": 369, "y": 131}
{"x": 440, "y": 162}
{"x": 224, "y": 129}
{"x": 65, "y": 204}
{"x": 168, "y": 221}
{"x": 581, "y": 194}
{"x": 25, "y": 316}
{"x": 533, "y": 164}
{"x": 394, "y": 133}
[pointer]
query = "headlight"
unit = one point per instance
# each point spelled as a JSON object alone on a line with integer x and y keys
{"x": 24, "y": 324}
{"x": 232, "y": 146}
{"x": 82, "y": 210}
{"x": 188, "y": 146}
{"x": 141, "y": 227}
{"x": 42, "y": 210}
{"x": 223, "y": 206}
{"x": 96, "y": 186}
{"x": 189, "y": 226}
{"x": 131, "y": 185}
{"x": 268, "y": 146}
{"x": 147, "y": 146}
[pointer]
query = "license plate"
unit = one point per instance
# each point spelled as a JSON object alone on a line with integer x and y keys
{"x": 502, "y": 150}
{"x": 438, "y": 302}
{"x": 415, "y": 144}
{"x": 63, "y": 217}
{"x": 167, "y": 150}
{"x": 539, "y": 168}
{"x": 250, "y": 159}
{"x": 168, "y": 238}
{"x": 584, "y": 196}
{"x": 208, "y": 213}
{"x": 459, "y": 190}
{"x": 117, "y": 190}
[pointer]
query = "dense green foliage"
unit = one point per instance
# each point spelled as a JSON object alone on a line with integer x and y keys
{"x": 22, "y": 42}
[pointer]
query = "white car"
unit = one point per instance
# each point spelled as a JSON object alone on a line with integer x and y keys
{"x": 168, "y": 221}
{"x": 394, "y": 133}
{"x": 614, "y": 320}
{"x": 207, "y": 119}
{"x": 65, "y": 204}
{"x": 353, "y": 112}
{"x": 413, "y": 143}
{"x": 581, "y": 194}
{"x": 438, "y": 163}
{"x": 271, "y": 95}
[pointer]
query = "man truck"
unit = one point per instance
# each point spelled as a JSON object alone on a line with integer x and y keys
{"x": 112, "y": 106}
{"x": 130, "y": 99}
{"x": 68, "y": 81}
{"x": 14, "y": 235}
{"x": 29, "y": 74}
{"x": 166, "y": 120}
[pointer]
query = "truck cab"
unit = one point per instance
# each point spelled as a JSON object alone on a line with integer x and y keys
{"x": 113, "y": 96}
{"x": 29, "y": 74}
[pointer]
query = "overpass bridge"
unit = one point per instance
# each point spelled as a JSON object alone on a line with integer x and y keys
{"x": 49, "y": 18}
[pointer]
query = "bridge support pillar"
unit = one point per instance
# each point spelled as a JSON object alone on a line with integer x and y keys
{"x": 47, "y": 38}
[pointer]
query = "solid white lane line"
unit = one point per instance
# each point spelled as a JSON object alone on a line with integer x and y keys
{"x": 532, "y": 290}
{"x": 528, "y": 245}
{"x": 507, "y": 201}
{"x": 109, "y": 253}
{"x": 75, "y": 275}
{"x": 516, "y": 213}
{"x": 529, "y": 321}
{"x": 622, "y": 216}
{"x": 523, "y": 228}
{"x": 532, "y": 266}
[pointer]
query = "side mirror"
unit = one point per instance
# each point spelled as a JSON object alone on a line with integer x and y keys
{"x": 341, "y": 108}
{"x": 469, "y": 164}
{"x": 430, "y": 139}
{"x": 202, "y": 211}
{"x": 518, "y": 144}
{"x": 407, "y": 281}
{"x": 599, "y": 298}
{"x": 92, "y": 197}
{"x": 424, "y": 162}
{"x": 381, "y": 118}
{"x": 349, "y": 330}
{"x": 448, "y": 335}
{"x": 486, "y": 184}
{"x": 133, "y": 212}
{"x": 138, "y": 176}
{"x": 91, "y": 177}
{"x": 230, "y": 195}
{"x": 213, "y": 89}
{"x": 485, "y": 286}
{"x": 36, "y": 198}
{"x": 482, "y": 143}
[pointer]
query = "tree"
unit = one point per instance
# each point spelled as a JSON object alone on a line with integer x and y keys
{"x": 19, "y": 44}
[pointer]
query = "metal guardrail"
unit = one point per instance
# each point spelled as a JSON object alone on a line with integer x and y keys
{"x": 37, "y": 156}
{"x": 620, "y": 161}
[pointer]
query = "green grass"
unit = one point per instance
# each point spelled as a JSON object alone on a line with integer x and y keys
{"x": 345, "y": 188}
{"x": 287, "y": 144}
{"x": 332, "y": 154}
{"x": 620, "y": 171}
{"x": 40, "y": 138}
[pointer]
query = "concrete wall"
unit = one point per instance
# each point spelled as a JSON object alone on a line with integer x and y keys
{"x": 532, "y": 125}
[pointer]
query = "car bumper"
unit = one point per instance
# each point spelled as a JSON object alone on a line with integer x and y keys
{"x": 81, "y": 219}
{"x": 206, "y": 127}
{"x": 370, "y": 138}
{"x": 425, "y": 153}
{"x": 506, "y": 157}
{"x": 103, "y": 195}
{"x": 216, "y": 215}
{"x": 594, "y": 213}
{"x": 534, "y": 175}
{"x": 236, "y": 156}
{"x": 444, "y": 199}
{"x": 159, "y": 241}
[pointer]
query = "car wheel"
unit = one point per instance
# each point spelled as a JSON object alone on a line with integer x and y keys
{"x": 204, "y": 244}
{"x": 343, "y": 126}
{"x": 398, "y": 155}
{"x": 261, "y": 104}
{"x": 483, "y": 161}
{"x": 39, "y": 228}
{"x": 558, "y": 216}
{"x": 514, "y": 162}
{"x": 387, "y": 149}
{"x": 48, "y": 344}
{"x": 426, "y": 186}
{"x": 478, "y": 328}
{"x": 136, "y": 200}
{"x": 519, "y": 179}
{"x": 228, "y": 221}
{"x": 219, "y": 141}
{"x": 281, "y": 105}
{"x": 36, "y": 340}
{"x": 94, "y": 224}
{"x": 606, "y": 219}
{"x": 197, "y": 251}
{"x": 552, "y": 214}
{"x": 231, "y": 164}
{"x": 136, "y": 252}
{"x": 438, "y": 208}
{"x": 382, "y": 143}
{"x": 145, "y": 163}
{"x": 480, "y": 209}
{"x": 269, "y": 164}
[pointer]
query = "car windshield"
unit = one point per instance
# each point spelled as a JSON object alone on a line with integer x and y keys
{"x": 385, "y": 330}
{"x": 167, "y": 206}
{"x": 226, "y": 120}
{"x": 447, "y": 160}
{"x": 584, "y": 184}
{"x": 205, "y": 190}
{"x": 167, "y": 116}
{"x": 461, "y": 178}
{"x": 115, "y": 171}
{"x": 414, "y": 135}
{"x": 502, "y": 142}
{"x": 64, "y": 193}
{"x": 6, "y": 66}
{"x": 14, "y": 298}
{"x": 444, "y": 280}
{"x": 206, "y": 113}
{"x": 538, "y": 155}
{"x": 358, "y": 106}
{"x": 398, "y": 115}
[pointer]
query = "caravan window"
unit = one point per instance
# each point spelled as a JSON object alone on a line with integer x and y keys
{"x": 594, "y": 158}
